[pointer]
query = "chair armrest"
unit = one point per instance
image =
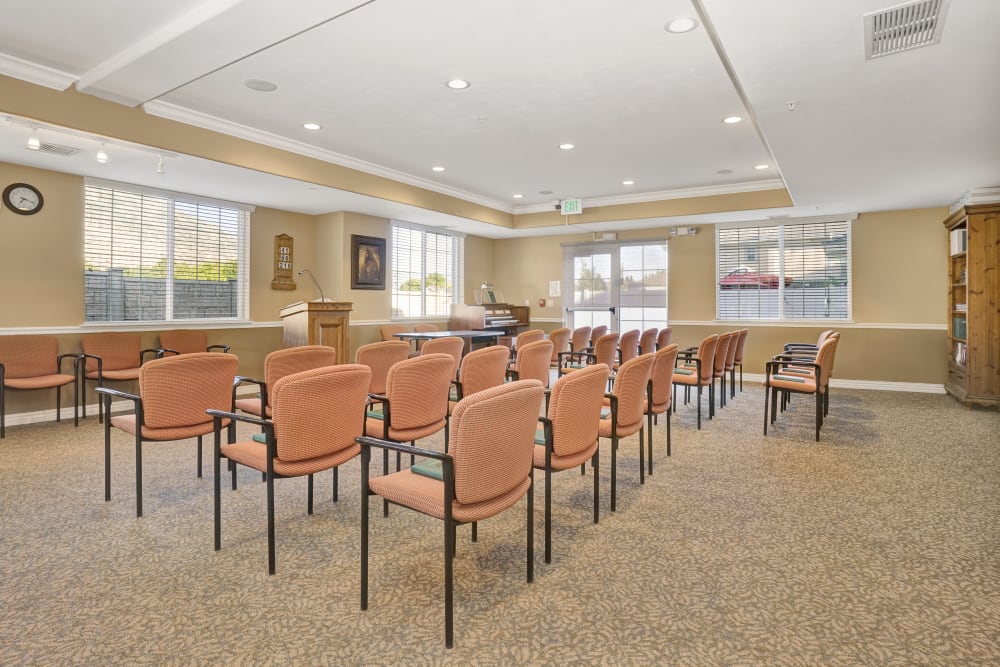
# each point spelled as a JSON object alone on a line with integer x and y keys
{"x": 74, "y": 355}
{"x": 107, "y": 391}
{"x": 222, "y": 414}
{"x": 224, "y": 348}
{"x": 581, "y": 356}
{"x": 547, "y": 427}
{"x": 368, "y": 441}
{"x": 164, "y": 350}
{"x": 82, "y": 361}
{"x": 459, "y": 393}
{"x": 157, "y": 353}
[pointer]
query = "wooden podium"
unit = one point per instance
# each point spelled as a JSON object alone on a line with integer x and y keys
{"x": 319, "y": 323}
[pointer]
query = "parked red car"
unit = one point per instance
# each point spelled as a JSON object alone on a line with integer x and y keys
{"x": 746, "y": 278}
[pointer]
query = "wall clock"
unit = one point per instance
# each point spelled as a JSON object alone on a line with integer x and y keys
{"x": 23, "y": 198}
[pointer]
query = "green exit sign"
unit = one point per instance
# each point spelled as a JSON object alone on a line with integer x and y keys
{"x": 571, "y": 206}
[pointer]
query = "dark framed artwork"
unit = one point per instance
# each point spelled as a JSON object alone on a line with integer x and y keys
{"x": 367, "y": 262}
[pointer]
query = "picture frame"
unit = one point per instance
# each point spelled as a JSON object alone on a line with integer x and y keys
{"x": 367, "y": 262}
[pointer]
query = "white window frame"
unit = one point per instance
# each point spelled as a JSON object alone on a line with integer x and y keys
{"x": 848, "y": 219}
{"x": 457, "y": 268}
{"x": 243, "y": 252}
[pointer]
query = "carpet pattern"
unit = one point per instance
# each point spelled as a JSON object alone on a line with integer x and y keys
{"x": 879, "y": 545}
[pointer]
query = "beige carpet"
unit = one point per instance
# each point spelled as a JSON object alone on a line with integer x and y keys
{"x": 877, "y": 546}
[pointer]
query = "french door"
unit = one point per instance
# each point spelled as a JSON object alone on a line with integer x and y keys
{"x": 621, "y": 285}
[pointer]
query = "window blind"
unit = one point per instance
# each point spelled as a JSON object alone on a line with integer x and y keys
{"x": 426, "y": 269}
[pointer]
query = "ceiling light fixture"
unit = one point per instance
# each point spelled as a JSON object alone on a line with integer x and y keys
{"x": 33, "y": 142}
{"x": 260, "y": 85}
{"x": 457, "y": 84}
{"x": 682, "y": 24}
{"x": 567, "y": 147}
{"x": 724, "y": 171}
{"x": 102, "y": 156}
{"x": 160, "y": 169}
{"x": 437, "y": 168}
{"x": 312, "y": 126}
{"x": 731, "y": 120}
{"x": 518, "y": 196}
{"x": 628, "y": 182}
{"x": 760, "y": 167}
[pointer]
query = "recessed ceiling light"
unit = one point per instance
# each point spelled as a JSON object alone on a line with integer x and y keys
{"x": 437, "y": 168}
{"x": 761, "y": 166}
{"x": 457, "y": 84}
{"x": 567, "y": 147}
{"x": 628, "y": 182}
{"x": 260, "y": 85}
{"x": 724, "y": 171}
{"x": 545, "y": 192}
{"x": 518, "y": 196}
{"x": 312, "y": 126}
{"x": 682, "y": 24}
{"x": 730, "y": 120}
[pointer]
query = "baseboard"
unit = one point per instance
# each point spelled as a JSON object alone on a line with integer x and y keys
{"x": 41, "y": 416}
{"x": 872, "y": 385}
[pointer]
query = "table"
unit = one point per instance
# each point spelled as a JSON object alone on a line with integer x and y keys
{"x": 469, "y": 336}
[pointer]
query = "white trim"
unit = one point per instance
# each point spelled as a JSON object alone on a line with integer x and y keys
{"x": 92, "y": 327}
{"x": 34, "y": 73}
{"x": 804, "y": 324}
{"x": 551, "y": 320}
{"x": 774, "y": 222}
{"x": 871, "y": 385}
{"x": 680, "y": 193}
{"x": 216, "y": 124}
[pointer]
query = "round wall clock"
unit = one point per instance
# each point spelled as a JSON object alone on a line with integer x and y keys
{"x": 23, "y": 198}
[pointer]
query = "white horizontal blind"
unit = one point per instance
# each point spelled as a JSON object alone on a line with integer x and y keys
{"x": 798, "y": 271}
{"x": 426, "y": 269}
{"x": 151, "y": 257}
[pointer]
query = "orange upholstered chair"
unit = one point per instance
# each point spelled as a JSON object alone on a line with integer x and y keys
{"x": 380, "y": 357}
{"x": 318, "y": 414}
{"x": 719, "y": 363}
{"x": 626, "y": 403}
{"x": 389, "y": 331}
{"x": 570, "y": 434}
{"x": 277, "y": 365}
{"x": 174, "y": 393}
{"x": 488, "y": 470}
{"x": 647, "y": 341}
{"x": 110, "y": 355}
{"x": 663, "y": 338}
{"x": 450, "y": 345}
{"x": 596, "y": 333}
{"x": 186, "y": 341}
{"x": 560, "y": 344}
{"x": 580, "y": 340}
{"x": 695, "y": 369}
{"x": 813, "y": 377}
{"x": 423, "y": 328}
{"x": 661, "y": 380}
{"x": 525, "y": 337}
{"x": 604, "y": 352}
{"x": 532, "y": 362}
{"x": 628, "y": 347}
{"x": 34, "y": 362}
{"x": 738, "y": 359}
{"x": 481, "y": 369}
{"x": 734, "y": 342}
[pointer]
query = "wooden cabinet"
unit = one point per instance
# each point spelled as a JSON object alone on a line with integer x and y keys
{"x": 974, "y": 304}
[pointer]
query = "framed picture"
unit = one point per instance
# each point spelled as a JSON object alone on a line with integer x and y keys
{"x": 367, "y": 262}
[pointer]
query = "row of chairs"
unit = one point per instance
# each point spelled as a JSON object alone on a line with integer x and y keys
{"x": 716, "y": 357}
{"x": 31, "y": 362}
{"x": 801, "y": 368}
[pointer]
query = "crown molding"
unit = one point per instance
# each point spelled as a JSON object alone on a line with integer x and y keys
{"x": 34, "y": 73}
{"x": 216, "y": 124}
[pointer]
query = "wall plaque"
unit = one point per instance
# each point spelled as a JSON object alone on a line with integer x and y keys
{"x": 283, "y": 261}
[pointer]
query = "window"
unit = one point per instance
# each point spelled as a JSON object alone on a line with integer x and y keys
{"x": 796, "y": 271}
{"x": 153, "y": 255}
{"x": 426, "y": 271}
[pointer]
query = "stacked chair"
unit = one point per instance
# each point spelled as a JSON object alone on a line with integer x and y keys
{"x": 805, "y": 373}
{"x": 697, "y": 369}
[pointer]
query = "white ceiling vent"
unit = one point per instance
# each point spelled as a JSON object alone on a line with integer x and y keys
{"x": 904, "y": 27}
{"x": 58, "y": 149}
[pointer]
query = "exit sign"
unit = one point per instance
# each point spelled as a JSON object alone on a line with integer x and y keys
{"x": 571, "y": 206}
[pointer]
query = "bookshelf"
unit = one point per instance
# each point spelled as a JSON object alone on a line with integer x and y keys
{"x": 974, "y": 305}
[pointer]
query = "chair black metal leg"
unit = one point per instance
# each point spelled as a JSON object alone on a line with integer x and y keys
{"x": 642, "y": 455}
{"x": 270, "y": 524}
{"x": 767, "y": 390}
{"x": 819, "y": 412}
{"x": 699, "y": 407}
{"x": 548, "y": 515}
{"x": 199, "y": 456}
{"x": 138, "y": 466}
{"x": 107, "y": 460}
{"x": 670, "y": 412}
{"x": 365, "y": 462}
{"x": 597, "y": 488}
{"x": 335, "y": 483}
{"x": 614, "y": 470}
{"x": 309, "y": 492}
{"x": 449, "y": 586}
{"x": 649, "y": 435}
{"x": 218, "y": 491}
{"x": 530, "y": 521}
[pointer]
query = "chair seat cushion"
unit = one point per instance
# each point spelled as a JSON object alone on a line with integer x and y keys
{"x": 562, "y": 462}
{"x": 251, "y": 406}
{"x": 802, "y": 385}
{"x": 120, "y": 375}
{"x": 426, "y": 495}
{"x": 374, "y": 426}
{"x": 39, "y": 382}
{"x": 254, "y": 455}
{"x": 127, "y": 424}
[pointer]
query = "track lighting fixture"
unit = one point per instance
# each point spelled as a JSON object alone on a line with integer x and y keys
{"x": 33, "y": 142}
{"x": 102, "y": 156}
{"x": 160, "y": 169}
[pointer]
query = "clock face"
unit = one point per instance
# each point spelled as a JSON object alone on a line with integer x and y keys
{"x": 22, "y": 198}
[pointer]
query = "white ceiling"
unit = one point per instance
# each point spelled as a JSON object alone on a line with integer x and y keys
{"x": 910, "y": 130}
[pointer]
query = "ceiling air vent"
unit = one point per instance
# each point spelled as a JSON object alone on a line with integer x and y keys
{"x": 904, "y": 27}
{"x": 58, "y": 149}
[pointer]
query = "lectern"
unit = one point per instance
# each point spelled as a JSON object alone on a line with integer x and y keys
{"x": 319, "y": 323}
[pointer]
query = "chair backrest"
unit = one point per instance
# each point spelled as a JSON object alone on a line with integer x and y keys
{"x": 580, "y": 339}
{"x": 291, "y": 360}
{"x": 529, "y": 336}
{"x": 721, "y": 353}
{"x": 379, "y": 357}
{"x": 605, "y": 349}
{"x": 422, "y": 328}
{"x": 184, "y": 341}
{"x": 451, "y": 345}
{"x": 320, "y": 411}
{"x": 824, "y": 359}
{"x": 534, "y": 360}
{"x": 29, "y": 355}
{"x": 596, "y": 333}
{"x": 575, "y": 408}
{"x": 628, "y": 346}
{"x": 662, "y": 378}
{"x": 647, "y": 341}
{"x": 663, "y": 338}
{"x": 630, "y": 388}
{"x": 388, "y": 331}
{"x": 823, "y": 335}
{"x": 706, "y": 353}
{"x": 177, "y": 390}
{"x": 418, "y": 391}
{"x": 560, "y": 342}
{"x": 118, "y": 350}
{"x": 492, "y": 441}
{"x": 740, "y": 343}
{"x": 483, "y": 368}
{"x": 734, "y": 341}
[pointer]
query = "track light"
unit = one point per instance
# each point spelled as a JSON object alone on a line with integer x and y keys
{"x": 102, "y": 156}
{"x": 33, "y": 142}
{"x": 160, "y": 169}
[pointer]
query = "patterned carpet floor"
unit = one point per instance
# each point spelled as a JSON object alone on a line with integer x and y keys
{"x": 879, "y": 545}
